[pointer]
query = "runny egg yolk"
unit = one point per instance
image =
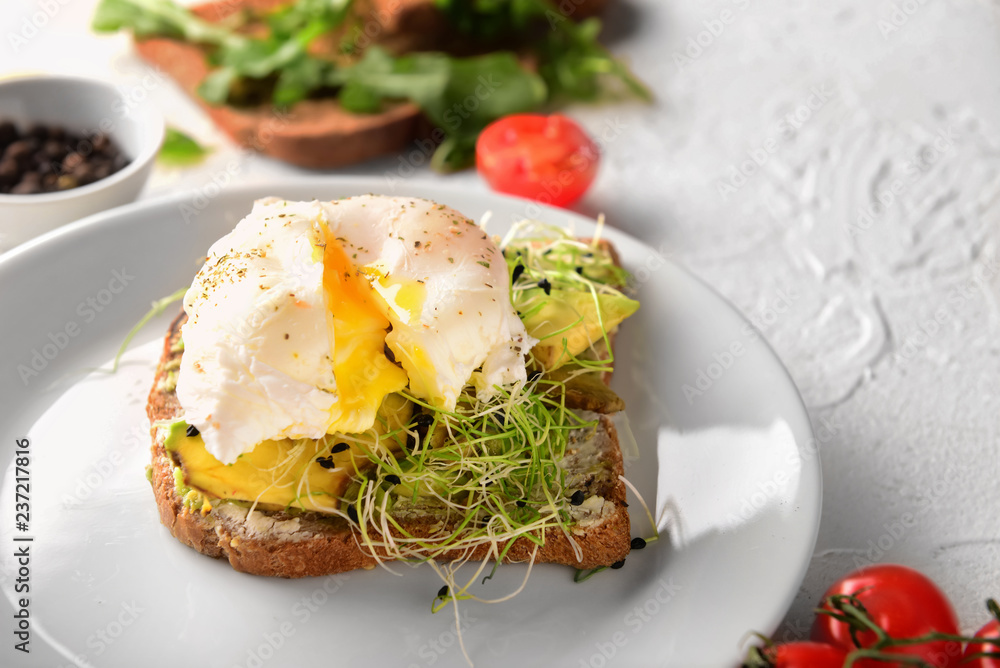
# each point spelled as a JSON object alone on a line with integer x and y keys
{"x": 403, "y": 300}
{"x": 358, "y": 326}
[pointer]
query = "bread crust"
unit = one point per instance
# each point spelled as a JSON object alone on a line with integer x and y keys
{"x": 309, "y": 544}
{"x": 320, "y": 134}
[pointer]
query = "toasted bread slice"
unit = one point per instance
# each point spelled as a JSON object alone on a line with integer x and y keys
{"x": 305, "y": 544}
{"x": 300, "y": 544}
{"x": 320, "y": 134}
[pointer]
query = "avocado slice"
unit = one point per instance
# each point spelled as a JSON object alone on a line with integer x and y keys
{"x": 568, "y": 322}
{"x": 585, "y": 390}
{"x": 303, "y": 473}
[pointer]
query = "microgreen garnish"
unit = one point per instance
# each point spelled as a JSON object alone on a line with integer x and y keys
{"x": 156, "y": 308}
{"x": 470, "y": 467}
{"x": 582, "y": 575}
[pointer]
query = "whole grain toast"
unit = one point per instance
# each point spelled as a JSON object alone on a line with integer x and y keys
{"x": 301, "y": 544}
{"x": 319, "y": 133}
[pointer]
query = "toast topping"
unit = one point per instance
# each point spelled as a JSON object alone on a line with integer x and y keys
{"x": 308, "y": 314}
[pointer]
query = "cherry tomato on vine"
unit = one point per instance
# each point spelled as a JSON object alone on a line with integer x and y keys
{"x": 805, "y": 655}
{"x": 550, "y": 159}
{"x": 990, "y": 630}
{"x": 905, "y": 603}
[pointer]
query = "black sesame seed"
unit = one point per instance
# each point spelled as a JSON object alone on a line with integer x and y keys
{"x": 424, "y": 420}
{"x": 443, "y": 591}
{"x": 339, "y": 447}
{"x": 618, "y": 564}
{"x": 393, "y": 478}
{"x": 326, "y": 462}
{"x": 545, "y": 285}
{"x": 577, "y": 498}
{"x": 579, "y": 270}
{"x": 192, "y": 431}
{"x": 518, "y": 270}
{"x": 638, "y": 543}
{"x": 352, "y": 513}
{"x": 520, "y": 504}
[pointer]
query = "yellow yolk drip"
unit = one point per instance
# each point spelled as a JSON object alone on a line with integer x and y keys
{"x": 364, "y": 374}
{"x": 403, "y": 302}
{"x": 419, "y": 366}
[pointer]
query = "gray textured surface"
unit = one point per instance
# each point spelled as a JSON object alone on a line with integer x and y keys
{"x": 890, "y": 332}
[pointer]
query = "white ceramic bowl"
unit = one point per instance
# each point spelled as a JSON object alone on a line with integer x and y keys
{"x": 79, "y": 105}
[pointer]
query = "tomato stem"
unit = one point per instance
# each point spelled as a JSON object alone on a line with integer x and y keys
{"x": 848, "y": 609}
{"x": 757, "y": 656}
{"x": 879, "y": 655}
{"x": 994, "y": 609}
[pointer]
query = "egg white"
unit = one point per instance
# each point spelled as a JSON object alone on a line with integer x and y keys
{"x": 261, "y": 357}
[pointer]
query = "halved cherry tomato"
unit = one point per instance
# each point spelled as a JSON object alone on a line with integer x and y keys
{"x": 902, "y": 601}
{"x": 805, "y": 655}
{"x": 545, "y": 158}
{"x": 990, "y": 630}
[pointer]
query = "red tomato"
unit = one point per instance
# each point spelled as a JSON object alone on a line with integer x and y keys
{"x": 545, "y": 158}
{"x": 902, "y": 601}
{"x": 806, "y": 655}
{"x": 990, "y": 630}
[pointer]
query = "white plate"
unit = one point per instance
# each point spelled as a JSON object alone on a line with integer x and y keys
{"x": 110, "y": 587}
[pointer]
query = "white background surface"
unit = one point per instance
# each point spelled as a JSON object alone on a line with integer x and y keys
{"x": 907, "y": 409}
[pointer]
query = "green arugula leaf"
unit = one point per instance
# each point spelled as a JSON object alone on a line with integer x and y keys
{"x": 298, "y": 79}
{"x": 459, "y": 95}
{"x": 147, "y": 18}
{"x": 180, "y": 150}
{"x": 455, "y": 153}
{"x": 288, "y": 21}
{"x": 215, "y": 87}
{"x": 282, "y": 55}
{"x": 420, "y": 77}
{"x": 453, "y": 92}
{"x": 573, "y": 63}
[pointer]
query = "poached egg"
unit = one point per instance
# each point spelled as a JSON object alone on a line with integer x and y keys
{"x": 308, "y": 314}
